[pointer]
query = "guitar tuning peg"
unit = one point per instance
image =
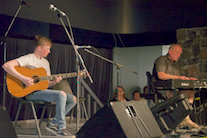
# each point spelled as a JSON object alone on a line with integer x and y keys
{"x": 85, "y": 74}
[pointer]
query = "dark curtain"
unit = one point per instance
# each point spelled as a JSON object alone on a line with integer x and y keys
{"x": 63, "y": 60}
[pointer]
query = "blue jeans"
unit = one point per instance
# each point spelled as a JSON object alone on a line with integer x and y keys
{"x": 63, "y": 104}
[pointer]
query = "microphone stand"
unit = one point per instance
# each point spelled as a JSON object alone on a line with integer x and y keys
{"x": 4, "y": 41}
{"x": 118, "y": 67}
{"x": 78, "y": 60}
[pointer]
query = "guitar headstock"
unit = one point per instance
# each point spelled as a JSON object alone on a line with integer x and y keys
{"x": 82, "y": 73}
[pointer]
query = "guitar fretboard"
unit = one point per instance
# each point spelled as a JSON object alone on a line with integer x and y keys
{"x": 52, "y": 77}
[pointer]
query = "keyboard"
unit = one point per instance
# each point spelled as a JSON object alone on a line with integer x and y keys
{"x": 181, "y": 84}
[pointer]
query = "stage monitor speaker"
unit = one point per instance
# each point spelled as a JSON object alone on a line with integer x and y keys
{"x": 6, "y": 127}
{"x": 131, "y": 119}
{"x": 171, "y": 112}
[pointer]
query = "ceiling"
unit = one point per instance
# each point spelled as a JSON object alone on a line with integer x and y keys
{"x": 115, "y": 16}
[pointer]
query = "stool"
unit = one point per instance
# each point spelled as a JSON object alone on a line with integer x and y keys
{"x": 81, "y": 101}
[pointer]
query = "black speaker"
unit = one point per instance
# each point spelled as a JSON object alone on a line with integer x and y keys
{"x": 171, "y": 112}
{"x": 131, "y": 119}
{"x": 6, "y": 127}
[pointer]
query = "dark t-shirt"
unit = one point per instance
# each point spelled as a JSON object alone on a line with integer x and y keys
{"x": 164, "y": 64}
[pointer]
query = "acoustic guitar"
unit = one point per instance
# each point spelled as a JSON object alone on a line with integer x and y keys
{"x": 41, "y": 81}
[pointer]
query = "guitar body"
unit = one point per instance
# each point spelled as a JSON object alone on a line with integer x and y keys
{"x": 18, "y": 89}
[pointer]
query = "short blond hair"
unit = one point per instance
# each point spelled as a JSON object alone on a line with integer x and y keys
{"x": 42, "y": 41}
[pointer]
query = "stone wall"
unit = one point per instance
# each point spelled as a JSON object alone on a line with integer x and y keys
{"x": 194, "y": 57}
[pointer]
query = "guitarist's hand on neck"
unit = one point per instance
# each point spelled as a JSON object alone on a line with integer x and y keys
{"x": 55, "y": 81}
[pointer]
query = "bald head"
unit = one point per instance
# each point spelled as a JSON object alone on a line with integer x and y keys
{"x": 175, "y": 52}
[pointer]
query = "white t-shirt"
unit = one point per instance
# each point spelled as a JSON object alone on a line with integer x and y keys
{"x": 31, "y": 61}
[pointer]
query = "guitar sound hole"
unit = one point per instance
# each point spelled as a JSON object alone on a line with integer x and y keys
{"x": 36, "y": 79}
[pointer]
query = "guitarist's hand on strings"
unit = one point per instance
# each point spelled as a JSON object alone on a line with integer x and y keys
{"x": 28, "y": 81}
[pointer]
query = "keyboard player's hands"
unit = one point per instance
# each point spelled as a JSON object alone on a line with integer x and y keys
{"x": 187, "y": 78}
{"x": 191, "y": 78}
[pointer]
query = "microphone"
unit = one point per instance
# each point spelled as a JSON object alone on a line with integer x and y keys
{"x": 23, "y": 2}
{"x": 82, "y": 46}
{"x": 52, "y": 7}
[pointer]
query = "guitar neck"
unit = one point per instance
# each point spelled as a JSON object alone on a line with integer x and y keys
{"x": 65, "y": 75}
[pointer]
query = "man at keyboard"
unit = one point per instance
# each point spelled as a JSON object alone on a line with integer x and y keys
{"x": 167, "y": 67}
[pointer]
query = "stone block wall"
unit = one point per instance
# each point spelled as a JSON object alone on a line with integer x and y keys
{"x": 194, "y": 57}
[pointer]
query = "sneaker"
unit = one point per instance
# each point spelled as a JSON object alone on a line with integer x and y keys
{"x": 63, "y": 132}
{"x": 52, "y": 128}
